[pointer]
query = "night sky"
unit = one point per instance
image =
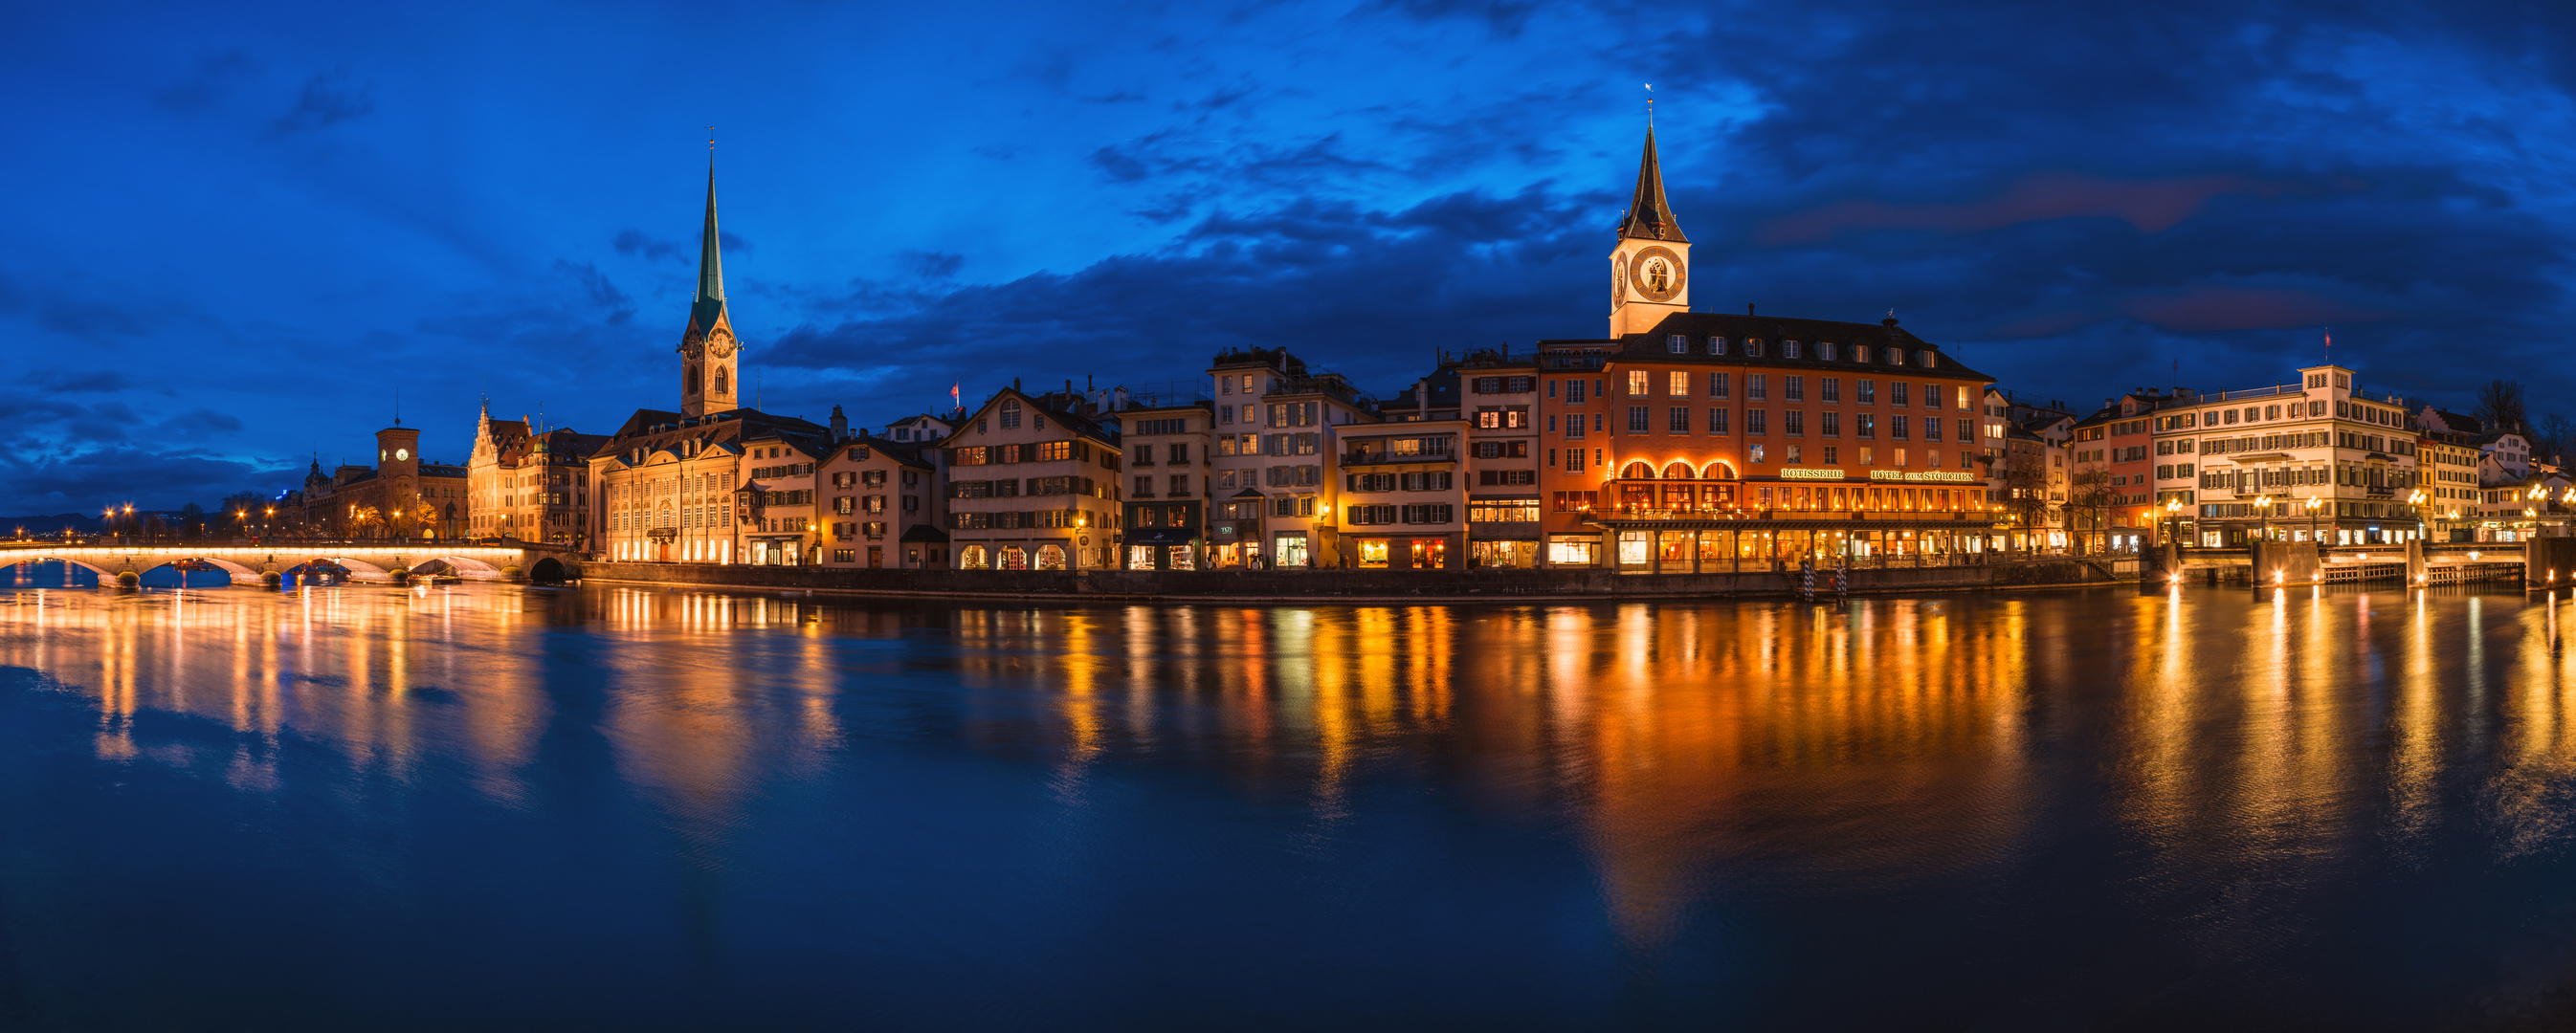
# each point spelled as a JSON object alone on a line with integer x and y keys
{"x": 234, "y": 235}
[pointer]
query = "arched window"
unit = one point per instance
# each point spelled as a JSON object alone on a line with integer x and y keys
{"x": 1677, "y": 471}
{"x": 1637, "y": 472}
{"x": 723, "y": 383}
{"x": 1718, "y": 472}
{"x": 689, "y": 381}
{"x": 972, "y": 558}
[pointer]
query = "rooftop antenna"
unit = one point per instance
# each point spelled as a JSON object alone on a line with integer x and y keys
{"x": 397, "y": 405}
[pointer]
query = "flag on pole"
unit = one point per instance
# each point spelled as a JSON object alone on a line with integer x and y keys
{"x": 953, "y": 403}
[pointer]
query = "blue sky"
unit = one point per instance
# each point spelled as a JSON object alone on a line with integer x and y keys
{"x": 234, "y": 234}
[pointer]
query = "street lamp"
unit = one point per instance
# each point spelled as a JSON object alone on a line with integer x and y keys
{"x": 2313, "y": 504}
{"x": 2263, "y": 509}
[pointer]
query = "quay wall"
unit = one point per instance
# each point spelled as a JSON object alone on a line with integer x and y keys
{"x": 1265, "y": 585}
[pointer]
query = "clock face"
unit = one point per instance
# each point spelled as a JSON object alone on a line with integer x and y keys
{"x": 1657, "y": 273}
{"x": 402, "y": 455}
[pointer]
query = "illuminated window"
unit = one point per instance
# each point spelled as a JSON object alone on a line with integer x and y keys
{"x": 1636, "y": 383}
{"x": 1677, "y": 384}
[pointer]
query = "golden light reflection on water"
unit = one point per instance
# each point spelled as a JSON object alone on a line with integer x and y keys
{"x": 2263, "y": 737}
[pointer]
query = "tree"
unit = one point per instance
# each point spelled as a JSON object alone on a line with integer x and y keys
{"x": 2090, "y": 495}
{"x": 2500, "y": 405}
{"x": 2025, "y": 481}
{"x": 2552, "y": 438}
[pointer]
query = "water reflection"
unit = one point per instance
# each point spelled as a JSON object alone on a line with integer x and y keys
{"x": 2102, "y": 782}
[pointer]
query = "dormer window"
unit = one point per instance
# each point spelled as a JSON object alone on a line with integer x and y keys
{"x": 1677, "y": 344}
{"x": 1860, "y": 353}
{"x": 1923, "y": 357}
{"x": 1825, "y": 350}
{"x": 1717, "y": 346}
{"x": 1753, "y": 346}
{"x": 1789, "y": 349}
{"x": 1896, "y": 356}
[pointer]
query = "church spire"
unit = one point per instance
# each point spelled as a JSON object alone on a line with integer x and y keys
{"x": 710, "y": 299}
{"x": 1648, "y": 218}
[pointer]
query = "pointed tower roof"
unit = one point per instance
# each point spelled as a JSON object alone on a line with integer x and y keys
{"x": 1648, "y": 218}
{"x": 709, "y": 305}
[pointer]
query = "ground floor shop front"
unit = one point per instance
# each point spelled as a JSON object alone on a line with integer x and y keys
{"x": 1738, "y": 546}
{"x": 1072, "y": 551}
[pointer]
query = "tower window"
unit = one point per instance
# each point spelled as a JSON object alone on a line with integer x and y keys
{"x": 1677, "y": 344}
{"x": 721, "y": 382}
{"x": 689, "y": 382}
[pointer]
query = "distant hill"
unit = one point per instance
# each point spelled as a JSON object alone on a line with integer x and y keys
{"x": 56, "y": 522}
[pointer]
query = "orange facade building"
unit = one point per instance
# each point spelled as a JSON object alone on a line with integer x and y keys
{"x": 1702, "y": 442}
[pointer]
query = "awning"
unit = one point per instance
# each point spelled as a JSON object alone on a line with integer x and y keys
{"x": 1161, "y": 535}
{"x": 1247, "y": 493}
{"x": 923, "y": 533}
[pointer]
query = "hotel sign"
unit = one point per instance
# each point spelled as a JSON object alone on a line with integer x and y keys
{"x": 1810, "y": 473}
{"x": 1949, "y": 476}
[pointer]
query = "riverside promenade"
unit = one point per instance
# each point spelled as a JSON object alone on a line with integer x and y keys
{"x": 1408, "y": 585}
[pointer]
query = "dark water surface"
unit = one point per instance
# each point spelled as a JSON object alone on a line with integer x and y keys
{"x": 495, "y": 807}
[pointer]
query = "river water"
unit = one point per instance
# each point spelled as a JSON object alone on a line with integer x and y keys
{"x": 511, "y": 807}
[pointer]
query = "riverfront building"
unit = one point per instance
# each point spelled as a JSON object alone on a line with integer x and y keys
{"x": 1169, "y": 447}
{"x": 2318, "y": 460}
{"x": 881, "y": 506}
{"x": 679, "y": 486}
{"x": 1033, "y": 485}
{"x": 402, "y": 496}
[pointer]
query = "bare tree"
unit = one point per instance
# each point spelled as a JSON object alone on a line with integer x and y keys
{"x": 2554, "y": 436}
{"x": 2089, "y": 494}
{"x": 2500, "y": 405}
{"x": 2025, "y": 481}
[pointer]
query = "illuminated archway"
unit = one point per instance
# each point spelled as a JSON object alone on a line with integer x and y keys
{"x": 1677, "y": 471}
{"x": 1719, "y": 471}
{"x": 1637, "y": 472}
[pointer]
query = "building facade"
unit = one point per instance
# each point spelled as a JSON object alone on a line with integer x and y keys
{"x": 1168, "y": 446}
{"x": 1033, "y": 485}
{"x": 880, "y": 503}
{"x": 2317, "y": 460}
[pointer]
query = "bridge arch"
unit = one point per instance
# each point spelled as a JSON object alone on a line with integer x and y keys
{"x": 461, "y": 566}
{"x": 548, "y": 571}
{"x": 103, "y": 573}
{"x": 361, "y": 570}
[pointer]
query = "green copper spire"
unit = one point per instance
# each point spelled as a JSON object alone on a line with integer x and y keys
{"x": 710, "y": 300}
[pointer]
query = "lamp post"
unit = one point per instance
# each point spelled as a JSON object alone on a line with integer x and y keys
{"x": 2173, "y": 512}
{"x": 2416, "y": 501}
{"x": 2313, "y": 504}
{"x": 2263, "y": 510}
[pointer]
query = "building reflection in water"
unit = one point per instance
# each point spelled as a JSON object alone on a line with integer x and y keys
{"x": 2244, "y": 746}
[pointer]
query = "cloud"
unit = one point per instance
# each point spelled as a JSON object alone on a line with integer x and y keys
{"x": 932, "y": 265}
{"x": 2152, "y": 206}
{"x": 599, "y": 288}
{"x": 65, "y": 382}
{"x": 327, "y": 99}
{"x": 214, "y": 78}
{"x": 731, "y": 241}
{"x": 200, "y": 422}
{"x": 1505, "y": 18}
{"x": 637, "y": 242}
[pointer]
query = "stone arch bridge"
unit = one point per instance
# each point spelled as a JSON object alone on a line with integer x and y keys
{"x": 261, "y": 564}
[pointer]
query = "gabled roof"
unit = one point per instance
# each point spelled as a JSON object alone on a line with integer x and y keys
{"x": 1649, "y": 218}
{"x": 1698, "y": 327}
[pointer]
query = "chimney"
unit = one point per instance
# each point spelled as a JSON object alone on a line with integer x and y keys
{"x": 1422, "y": 399}
{"x": 1748, "y": 308}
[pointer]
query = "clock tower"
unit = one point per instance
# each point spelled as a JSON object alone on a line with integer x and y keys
{"x": 1650, "y": 269}
{"x": 709, "y": 380}
{"x": 398, "y": 463}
